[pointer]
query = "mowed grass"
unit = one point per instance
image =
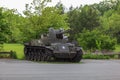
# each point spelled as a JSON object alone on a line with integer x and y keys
{"x": 117, "y": 48}
{"x": 18, "y": 48}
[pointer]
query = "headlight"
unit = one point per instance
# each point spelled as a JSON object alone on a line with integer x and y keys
{"x": 63, "y": 47}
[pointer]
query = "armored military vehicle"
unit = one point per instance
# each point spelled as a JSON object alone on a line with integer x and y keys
{"x": 53, "y": 46}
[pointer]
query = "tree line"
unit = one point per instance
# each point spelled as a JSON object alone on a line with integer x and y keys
{"x": 95, "y": 26}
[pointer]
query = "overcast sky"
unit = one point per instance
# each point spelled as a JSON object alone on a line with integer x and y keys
{"x": 20, "y": 4}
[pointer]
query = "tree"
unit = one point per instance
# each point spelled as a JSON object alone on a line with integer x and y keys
{"x": 89, "y": 18}
{"x": 106, "y": 5}
{"x": 15, "y": 23}
{"x": 52, "y": 17}
{"x": 83, "y": 18}
{"x": 110, "y": 22}
{"x": 114, "y": 26}
{"x": 36, "y": 7}
{"x": 43, "y": 17}
{"x": 4, "y": 28}
{"x": 61, "y": 7}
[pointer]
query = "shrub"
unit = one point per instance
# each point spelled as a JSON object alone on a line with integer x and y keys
{"x": 13, "y": 55}
{"x": 92, "y": 40}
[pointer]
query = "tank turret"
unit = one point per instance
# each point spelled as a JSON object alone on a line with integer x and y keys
{"x": 54, "y": 45}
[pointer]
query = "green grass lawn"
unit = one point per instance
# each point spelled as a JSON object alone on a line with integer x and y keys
{"x": 18, "y": 48}
{"x": 117, "y": 48}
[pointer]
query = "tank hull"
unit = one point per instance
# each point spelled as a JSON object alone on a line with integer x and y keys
{"x": 41, "y": 53}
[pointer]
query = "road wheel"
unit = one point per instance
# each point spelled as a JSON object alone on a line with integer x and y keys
{"x": 48, "y": 54}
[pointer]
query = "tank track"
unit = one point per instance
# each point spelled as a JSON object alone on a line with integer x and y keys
{"x": 78, "y": 56}
{"x": 40, "y": 53}
{"x": 37, "y": 53}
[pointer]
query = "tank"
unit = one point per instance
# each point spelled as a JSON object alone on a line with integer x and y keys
{"x": 53, "y": 46}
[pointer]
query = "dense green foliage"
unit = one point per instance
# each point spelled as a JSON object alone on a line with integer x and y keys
{"x": 95, "y": 40}
{"x": 4, "y": 28}
{"x": 95, "y": 26}
{"x": 83, "y": 18}
{"x": 42, "y": 18}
